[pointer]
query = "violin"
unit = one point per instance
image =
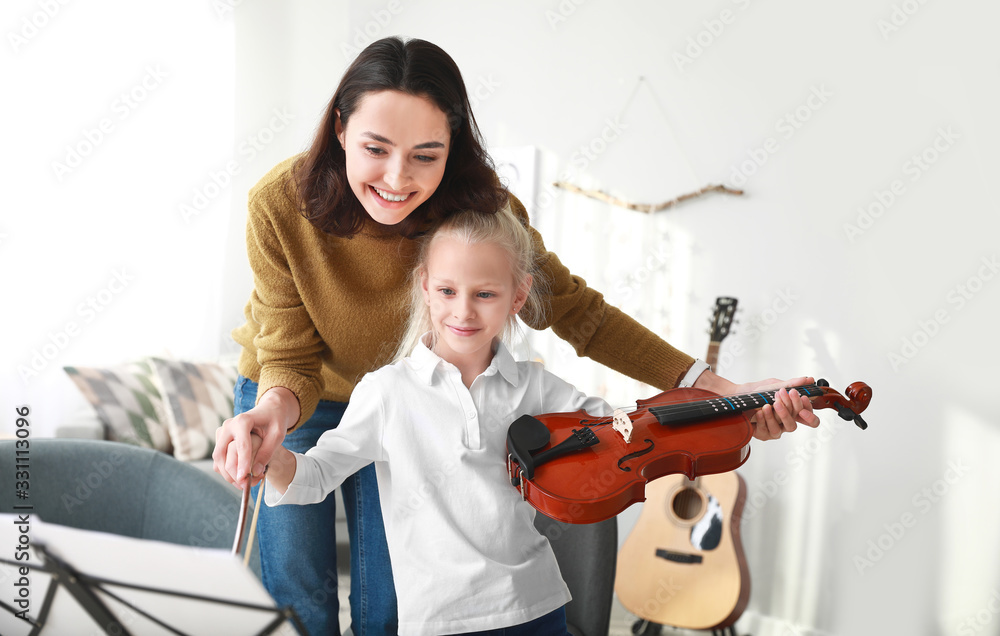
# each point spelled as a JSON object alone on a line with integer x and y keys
{"x": 580, "y": 469}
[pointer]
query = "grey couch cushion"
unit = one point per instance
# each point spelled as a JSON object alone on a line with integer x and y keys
{"x": 125, "y": 490}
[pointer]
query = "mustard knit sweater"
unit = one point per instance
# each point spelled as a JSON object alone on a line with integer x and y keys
{"x": 326, "y": 310}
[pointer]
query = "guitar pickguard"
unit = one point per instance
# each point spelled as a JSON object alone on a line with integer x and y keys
{"x": 707, "y": 532}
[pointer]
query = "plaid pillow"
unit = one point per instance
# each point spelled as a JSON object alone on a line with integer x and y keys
{"x": 199, "y": 397}
{"x": 127, "y": 402}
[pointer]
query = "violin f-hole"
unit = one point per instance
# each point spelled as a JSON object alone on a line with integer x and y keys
{"x": 637, "y": 453}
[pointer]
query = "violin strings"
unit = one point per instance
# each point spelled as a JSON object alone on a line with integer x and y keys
{"x": 738, "y": 403}
{"x": 805, "y": 388}
{"x": 695, "y": 407}
{"x": 680, "y": 411}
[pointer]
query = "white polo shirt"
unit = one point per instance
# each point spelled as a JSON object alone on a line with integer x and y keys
{"x": 465, "y": 553}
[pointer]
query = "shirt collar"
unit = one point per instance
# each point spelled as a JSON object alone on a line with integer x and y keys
{"x": 425, "y": 362}
{"x": 504, "y": 364}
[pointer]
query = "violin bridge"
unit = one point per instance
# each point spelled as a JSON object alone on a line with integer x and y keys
{"x": 623, "y": 425}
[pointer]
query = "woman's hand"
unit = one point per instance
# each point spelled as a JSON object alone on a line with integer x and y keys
{"x": 788, "y": 411}
{"x": 769, "y": 422}
{"x": 244, "y": 444}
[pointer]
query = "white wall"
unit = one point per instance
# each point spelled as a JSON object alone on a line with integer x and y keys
{"x": 557, "y": 75}
{"x": 118, "y": 128}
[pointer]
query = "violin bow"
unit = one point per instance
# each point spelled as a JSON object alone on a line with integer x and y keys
{"x": 241, "y": 523}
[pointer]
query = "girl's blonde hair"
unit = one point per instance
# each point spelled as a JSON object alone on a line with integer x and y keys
{"x": 503, "y": 229}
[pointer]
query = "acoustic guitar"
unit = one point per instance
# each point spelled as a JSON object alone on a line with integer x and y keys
{"x": 682, "y": 564}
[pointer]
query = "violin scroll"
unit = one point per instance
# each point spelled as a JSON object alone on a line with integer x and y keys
{"x": 859, "y": 395}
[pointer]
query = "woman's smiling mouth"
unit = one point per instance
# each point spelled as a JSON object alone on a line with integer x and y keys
{"x": 390, "y": 197}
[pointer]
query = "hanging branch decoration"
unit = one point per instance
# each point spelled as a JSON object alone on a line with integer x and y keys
{"x": 649, "y": 208}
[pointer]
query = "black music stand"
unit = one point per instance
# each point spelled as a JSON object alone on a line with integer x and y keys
{"x": 132, "y": 601}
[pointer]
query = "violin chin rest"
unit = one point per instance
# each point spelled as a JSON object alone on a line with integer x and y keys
{"x": 525, "y": 436}
{"x": 528, "y": 434}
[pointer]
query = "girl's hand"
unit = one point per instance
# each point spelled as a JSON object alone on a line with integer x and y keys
{"x": 244, "y": 444}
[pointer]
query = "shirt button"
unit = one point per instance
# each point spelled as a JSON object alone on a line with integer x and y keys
{"x": 471, "y": 415}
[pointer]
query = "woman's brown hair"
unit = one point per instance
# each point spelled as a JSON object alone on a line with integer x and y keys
{"x": 418, "y": 68}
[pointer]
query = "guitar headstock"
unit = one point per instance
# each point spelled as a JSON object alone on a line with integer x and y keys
{"x": 722, "y": 318}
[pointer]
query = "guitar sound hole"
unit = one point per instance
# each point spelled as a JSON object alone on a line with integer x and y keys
{"x": 687, "y": 504}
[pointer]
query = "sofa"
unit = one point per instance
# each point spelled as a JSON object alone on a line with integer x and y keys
{"x": 163, "y": 404}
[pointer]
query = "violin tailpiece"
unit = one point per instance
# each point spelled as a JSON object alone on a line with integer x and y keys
{"x": 579, "y": 440}
{"x": 527, "y": 435}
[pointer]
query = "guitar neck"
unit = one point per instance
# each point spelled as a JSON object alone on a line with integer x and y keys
{"x": 712, "y": 357}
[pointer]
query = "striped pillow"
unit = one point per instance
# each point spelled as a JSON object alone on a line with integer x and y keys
{"x": 127, "y": 402}
{"x": 198, "y": 398}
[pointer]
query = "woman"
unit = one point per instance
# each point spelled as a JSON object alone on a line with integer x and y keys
{"x": 329, "y": 238}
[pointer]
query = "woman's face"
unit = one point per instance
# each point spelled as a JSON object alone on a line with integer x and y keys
{"x": 396, "y": 147}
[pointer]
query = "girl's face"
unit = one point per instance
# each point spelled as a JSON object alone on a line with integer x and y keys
{"x": 471, "y": 294}
{"x": 396, "y": 147}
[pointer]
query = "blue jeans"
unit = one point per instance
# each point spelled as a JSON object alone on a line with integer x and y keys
{"x": 298, "y": 546}
{"x": 552, "y": 624}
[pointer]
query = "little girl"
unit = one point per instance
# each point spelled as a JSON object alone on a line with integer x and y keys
{"x": 465, "y": 554}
